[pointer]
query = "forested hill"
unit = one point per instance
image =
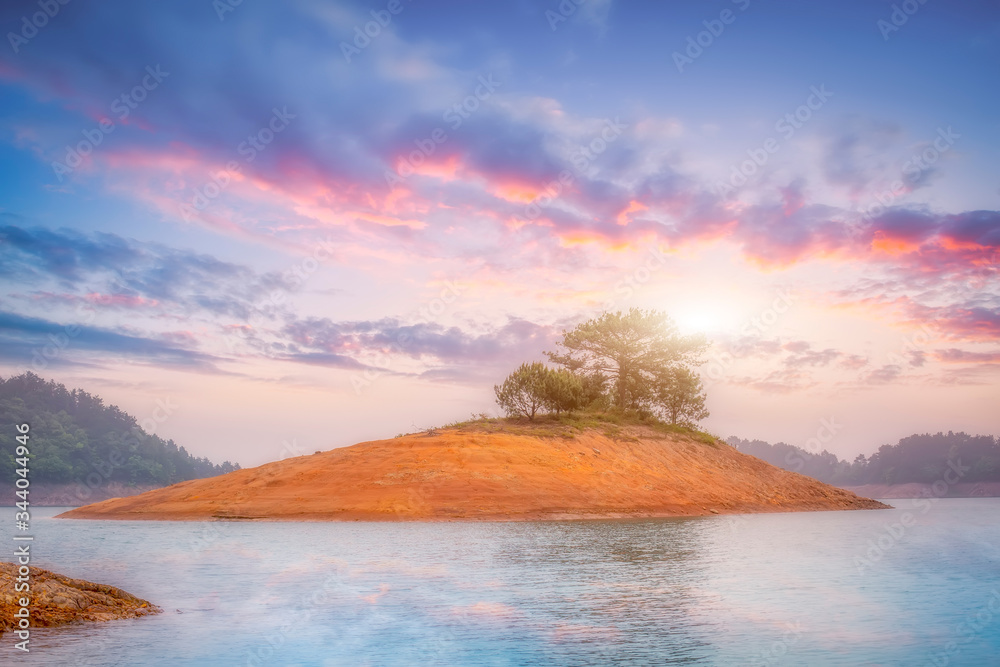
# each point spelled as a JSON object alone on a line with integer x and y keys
{"x": 76, "y": 439}
{"x": 916, "y": 458}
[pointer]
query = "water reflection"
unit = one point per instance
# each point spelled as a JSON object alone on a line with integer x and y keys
{"x": 764, "y": 589}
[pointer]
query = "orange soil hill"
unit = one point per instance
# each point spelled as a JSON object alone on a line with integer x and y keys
{"x": 499, "y": 471}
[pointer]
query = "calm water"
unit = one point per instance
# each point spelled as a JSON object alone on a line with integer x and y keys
{"x": 764, "y": 589}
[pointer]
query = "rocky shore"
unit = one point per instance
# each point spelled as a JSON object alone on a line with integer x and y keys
{"x": 57, "y": 600}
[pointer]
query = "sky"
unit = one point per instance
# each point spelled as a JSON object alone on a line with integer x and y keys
{"x": 274, "y": 228}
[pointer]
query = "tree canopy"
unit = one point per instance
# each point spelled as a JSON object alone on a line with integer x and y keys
{"x": 635, "y": 361}
{"x": 630, "y": 349}
{"x": 522, "y": 394}
{"x": 678, "y": 392}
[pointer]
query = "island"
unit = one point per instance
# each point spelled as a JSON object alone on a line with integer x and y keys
{"x": 497, "y": 469}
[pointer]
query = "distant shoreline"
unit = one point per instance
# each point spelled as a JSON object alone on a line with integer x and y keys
{"x": 919, "y": 490}
{"x": 73, "y": 495}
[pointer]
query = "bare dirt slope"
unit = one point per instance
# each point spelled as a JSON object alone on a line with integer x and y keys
{"x": 498, "y": 472}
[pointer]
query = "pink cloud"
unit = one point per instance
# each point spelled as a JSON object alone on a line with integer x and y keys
{"x": 956, "y": 356}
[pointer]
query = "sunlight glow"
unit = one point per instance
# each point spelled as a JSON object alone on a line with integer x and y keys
{"x": 702, "y": 318}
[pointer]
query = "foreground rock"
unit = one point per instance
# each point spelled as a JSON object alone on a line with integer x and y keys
{"x": 56, "y": 600}
{"x": 496, "y": 471}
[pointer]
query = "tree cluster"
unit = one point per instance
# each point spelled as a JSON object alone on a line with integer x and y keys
{"x": 635, "y": 362}
{"x": 74, "y": 435}
{"x": 923, "y": 458}
{"x": 534, "y": 388}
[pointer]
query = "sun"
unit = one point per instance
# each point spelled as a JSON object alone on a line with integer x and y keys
{"x": 702, "y": 318}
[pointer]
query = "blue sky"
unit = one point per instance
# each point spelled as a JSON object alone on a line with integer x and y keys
{"x": 271, "y": 281}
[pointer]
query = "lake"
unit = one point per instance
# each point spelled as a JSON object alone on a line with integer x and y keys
{"x": 917, "y": 585}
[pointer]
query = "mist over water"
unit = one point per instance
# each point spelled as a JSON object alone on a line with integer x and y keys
{"x": 837, "y": 588}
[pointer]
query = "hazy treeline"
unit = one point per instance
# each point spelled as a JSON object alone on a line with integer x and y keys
{"x": 920, "y": 458}
{"x": 74, "y": 435}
